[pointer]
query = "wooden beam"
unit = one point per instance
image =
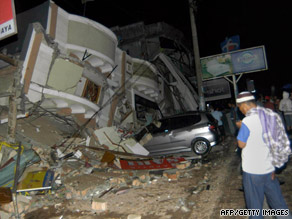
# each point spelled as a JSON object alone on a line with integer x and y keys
{"x": 117, "y": 97}
{"x": 112, "y": 110}
{"x": 53, "y": 21}
{"x": 123, "y": 71}
{"x": 8, "y": 70}
{"x": 8, "y": 59}
{"x": 32, "y": 61}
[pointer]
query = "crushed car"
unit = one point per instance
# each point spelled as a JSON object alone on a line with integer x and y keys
{"x": 192, "y": 131}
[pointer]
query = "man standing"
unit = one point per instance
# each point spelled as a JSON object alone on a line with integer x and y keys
{"x": 262, "y": 138}
{"x": 269, "y": 104}
{"x": 218, "y": 116}
{"x": 286, "y": 107}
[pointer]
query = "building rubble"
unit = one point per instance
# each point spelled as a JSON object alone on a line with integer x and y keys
{"x": 82, "y": 107}
{"x": 85, "y": 177}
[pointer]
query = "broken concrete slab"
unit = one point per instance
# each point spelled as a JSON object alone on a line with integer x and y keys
{"x": 98, "y": 204}
{"x": 110, "y": 137}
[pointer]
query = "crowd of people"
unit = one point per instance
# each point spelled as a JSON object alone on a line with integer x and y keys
{"x": 282, "y": 106}
{"x": 260, "y": 126}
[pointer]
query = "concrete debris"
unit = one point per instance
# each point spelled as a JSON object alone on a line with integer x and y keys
{"x": 98, "y": 204}
{"x": 136, "y": 183}
{"x": 93, "y": 179}
{"x": 185, "y": 209}
{"x": 113, "y": 139}
{"x": 5, "y": 215}
{"x": 183, "y": 165}
{"x": 22, "y": 207}
{"x": 118, "y": 181}
{"x": 198, "y": 166}
{"x": 134, "y": 216}
{"x": 171, "y": 175}
{"x": 197, "y": 189}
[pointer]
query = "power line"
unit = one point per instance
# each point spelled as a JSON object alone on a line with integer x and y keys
{"x": 115, "y": 95}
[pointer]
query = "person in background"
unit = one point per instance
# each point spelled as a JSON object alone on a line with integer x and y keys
{"x": 286, "y": 107}
{"x": 277, "y": 105}
{"x": 218, "y": 116}
{"x": 269, "y": 104}
{"x": 233, "y": 115}
{"x": 260, "y": 100}
{"x": 258, "y": 160}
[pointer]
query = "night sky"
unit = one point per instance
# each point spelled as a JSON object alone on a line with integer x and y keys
{"x": 257, "y": 22}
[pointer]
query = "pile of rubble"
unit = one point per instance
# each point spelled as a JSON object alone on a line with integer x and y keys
{"x": 78, "y": 175}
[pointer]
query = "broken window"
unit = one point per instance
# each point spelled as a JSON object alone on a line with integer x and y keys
{"x": 144, "y": 107}
{"x": 91, "y": 91}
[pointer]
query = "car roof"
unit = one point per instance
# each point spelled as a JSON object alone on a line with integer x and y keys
{"x": 189, "y": 113}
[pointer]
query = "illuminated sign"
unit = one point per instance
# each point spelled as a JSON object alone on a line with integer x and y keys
{"x": 249, "y": 60}
{"x": 240, "y": 61}
{"x": 8, "y": 25}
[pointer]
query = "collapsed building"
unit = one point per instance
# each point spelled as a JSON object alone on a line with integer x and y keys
{"x": 81, "y": 73}
{"x": 166, "y": 48}
{"x": 73, "y": 66}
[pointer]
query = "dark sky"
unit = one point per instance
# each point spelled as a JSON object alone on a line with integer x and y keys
{"x": 257, "y": 22}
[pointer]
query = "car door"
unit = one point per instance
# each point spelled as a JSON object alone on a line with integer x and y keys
{"x": 180, "y": 134}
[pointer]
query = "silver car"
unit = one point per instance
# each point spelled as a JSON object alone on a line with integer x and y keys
{"x": 195, "y": 131}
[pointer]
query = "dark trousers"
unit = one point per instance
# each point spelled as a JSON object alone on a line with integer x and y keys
{"x": 257, "y": 186}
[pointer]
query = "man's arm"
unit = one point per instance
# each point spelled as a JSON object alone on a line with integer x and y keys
{"x": 241, "y": 144}
{"x": 238, "y": 124}
{"x": 243, "y": 134}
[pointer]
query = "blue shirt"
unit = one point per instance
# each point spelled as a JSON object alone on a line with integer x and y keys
{"x": 243, "y": 133}
{"x": 217, "y": 115}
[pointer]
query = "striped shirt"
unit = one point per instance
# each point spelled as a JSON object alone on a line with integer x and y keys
{"x": 274, "y": 135}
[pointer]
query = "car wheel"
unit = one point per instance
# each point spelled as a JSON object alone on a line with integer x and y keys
{"x": 201, "y": 146}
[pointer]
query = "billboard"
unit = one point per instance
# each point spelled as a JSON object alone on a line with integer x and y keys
{"x": 216, "y": 89}
{"x": 8, "y": 25}
{"x": 240, "y": 61}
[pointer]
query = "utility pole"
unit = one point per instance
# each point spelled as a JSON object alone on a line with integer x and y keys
{"x": 192, "y": 7}
{"x": 12, "y": 114}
